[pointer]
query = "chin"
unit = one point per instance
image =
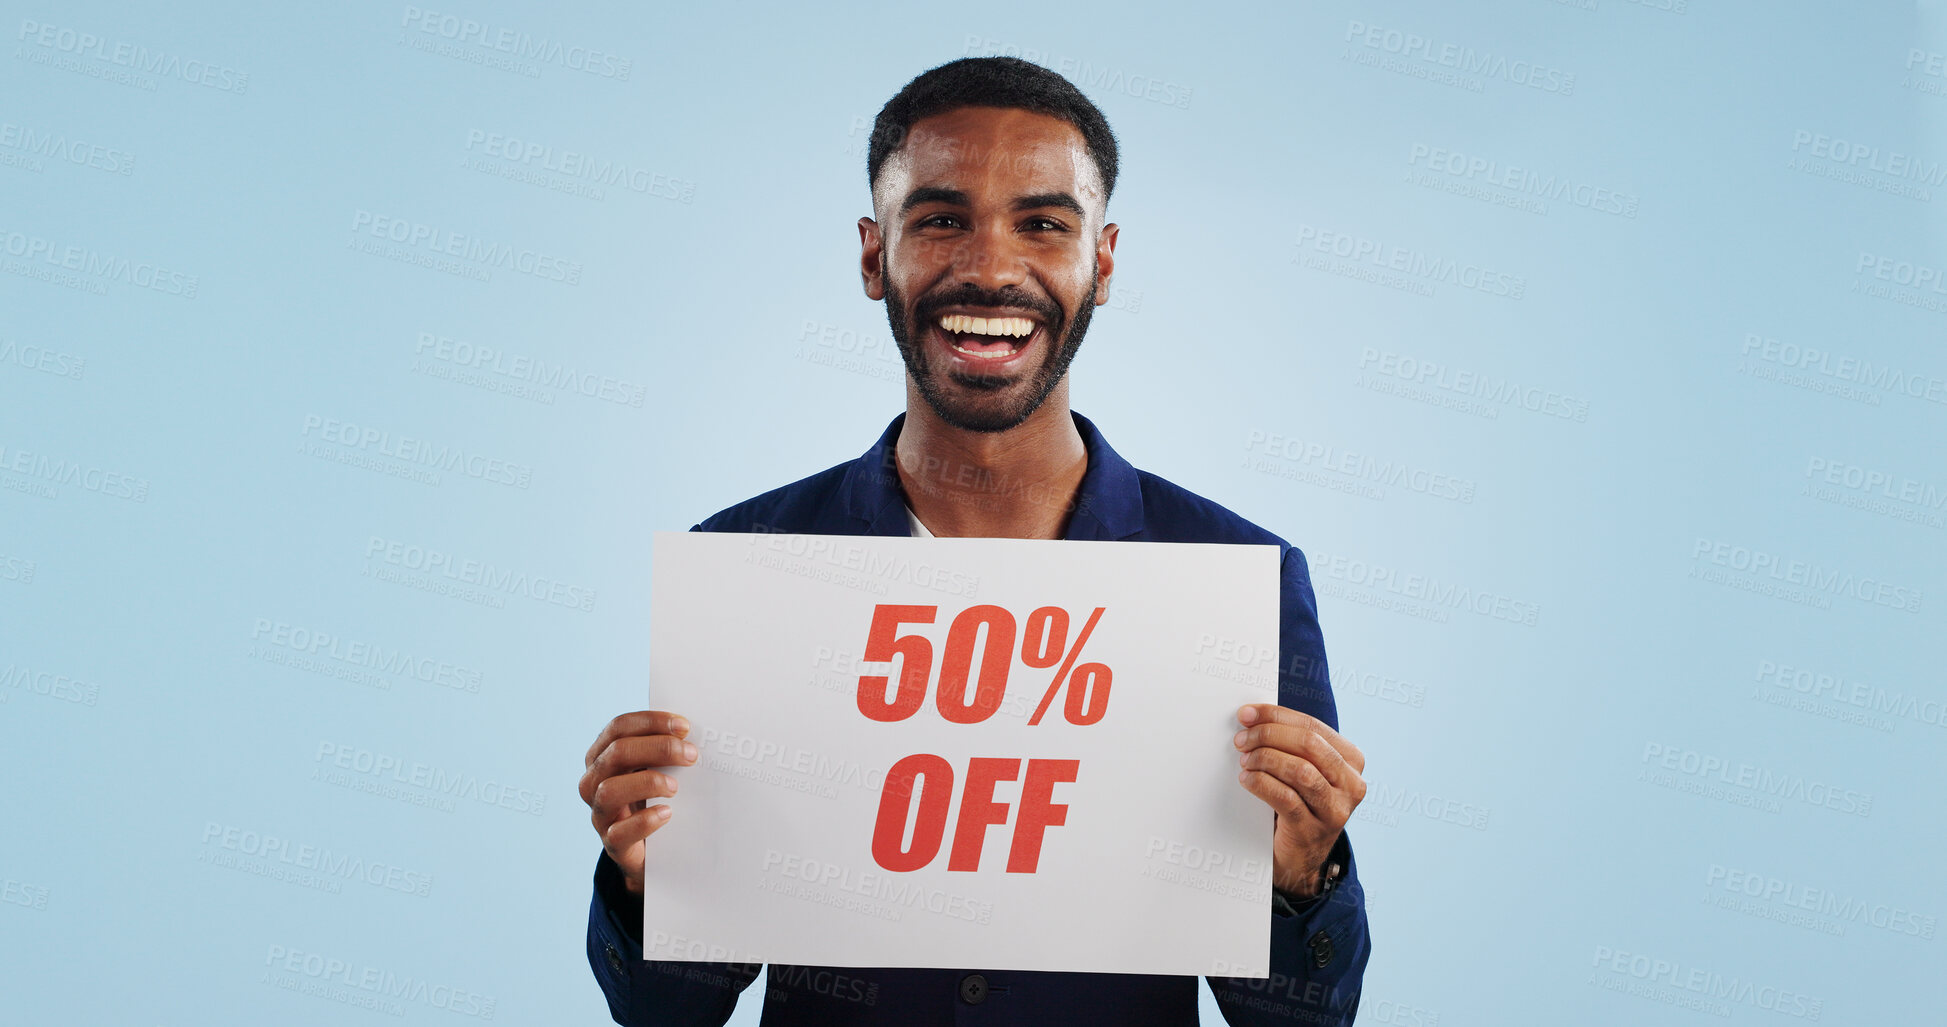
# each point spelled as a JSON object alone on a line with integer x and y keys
{"x": 985, "y": 410}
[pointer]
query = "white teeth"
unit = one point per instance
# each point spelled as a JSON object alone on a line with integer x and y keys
{"x": 992, "y": 354}
{"x": 965, "y": 324}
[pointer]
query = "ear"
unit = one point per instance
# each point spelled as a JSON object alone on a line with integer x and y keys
{"x": 1104, "y": 262}
{"x": 872, "y": 269}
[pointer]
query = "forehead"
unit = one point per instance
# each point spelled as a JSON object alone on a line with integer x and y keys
{"x": 1000, "y": 152}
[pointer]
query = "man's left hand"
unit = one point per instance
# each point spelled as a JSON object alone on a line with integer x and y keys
{"x": 1310, "y": 776}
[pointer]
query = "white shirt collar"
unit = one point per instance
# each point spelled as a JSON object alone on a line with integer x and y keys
{"x": 919, "y": 530}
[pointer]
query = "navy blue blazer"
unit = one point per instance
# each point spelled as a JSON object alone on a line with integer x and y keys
{"x": 1318, "y": 948}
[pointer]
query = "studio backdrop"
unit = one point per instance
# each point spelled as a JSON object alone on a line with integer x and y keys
{"x": 1591, "y": 350}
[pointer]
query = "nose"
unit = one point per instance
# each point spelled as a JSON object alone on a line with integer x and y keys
{"x": 989, "y": 257}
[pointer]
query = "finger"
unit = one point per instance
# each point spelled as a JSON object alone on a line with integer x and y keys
{"x": 632, "y": 753}
{"x": 1275, "y": 793}
{"x": 641, "y": 722}
{"x": 1354, "y": 756}
{"x": 1270, "y": 713}
{"x": 1303, "y": 742}
{"x": 1298, "y": 775}
{"x": 625, "y": 833}
{"x": 625, "y": 793}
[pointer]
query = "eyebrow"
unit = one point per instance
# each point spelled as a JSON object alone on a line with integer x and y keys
{"x": 935, "y": 194}
{"x": 958, "y": 198}
{"x": 1062, "y": 201}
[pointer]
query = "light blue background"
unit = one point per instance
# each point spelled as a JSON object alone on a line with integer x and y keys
{"x": 727, "y": 290}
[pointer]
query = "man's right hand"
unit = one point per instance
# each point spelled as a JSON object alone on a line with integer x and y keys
{"x": 622, "y": 776}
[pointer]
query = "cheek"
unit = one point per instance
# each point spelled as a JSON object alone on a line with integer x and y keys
{"x": 1071, "y": 278}
{"x": 926, "y": 257}
{"x": 1072, "y": 295}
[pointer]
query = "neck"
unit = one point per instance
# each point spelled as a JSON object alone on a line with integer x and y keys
{"x": 1018, "y": 483}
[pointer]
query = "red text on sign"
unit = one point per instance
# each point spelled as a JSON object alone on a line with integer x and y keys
{"x": 919, "y": 791}
{"x": 985, "y": 633}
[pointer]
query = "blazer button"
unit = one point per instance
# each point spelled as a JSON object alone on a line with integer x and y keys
{"x": 973, "y": 989}
{"x": 1321, "y": 950}
{"x": 614, "y": 960}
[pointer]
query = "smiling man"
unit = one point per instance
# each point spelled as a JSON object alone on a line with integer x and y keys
{"x": 990, "y": 246}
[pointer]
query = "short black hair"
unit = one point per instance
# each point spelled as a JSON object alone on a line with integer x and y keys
{"x": 1006, "y": 82}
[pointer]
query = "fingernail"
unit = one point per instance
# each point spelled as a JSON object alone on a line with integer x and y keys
{"x": 663, "y": 813}
{"x": 1247, "y": 714}
{"x": 1239, "y": 739}
{"x": 680, "y": 726}
{"x": 689, "y": 752}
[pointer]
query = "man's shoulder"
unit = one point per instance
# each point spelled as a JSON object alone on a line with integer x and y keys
{"x": 1172, "y": 513}
{"x": 807, "y": 505}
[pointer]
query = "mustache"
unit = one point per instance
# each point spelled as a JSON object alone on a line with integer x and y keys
{"x": 970, "y": 295}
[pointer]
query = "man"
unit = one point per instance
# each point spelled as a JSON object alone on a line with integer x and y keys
{"x": 989, "y": 245}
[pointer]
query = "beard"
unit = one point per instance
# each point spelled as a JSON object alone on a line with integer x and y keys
{"x": 982, "y": 402}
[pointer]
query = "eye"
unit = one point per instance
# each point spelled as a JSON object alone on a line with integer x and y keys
{"x": 939, "y": 221}
{"x": 1042, "y": 224}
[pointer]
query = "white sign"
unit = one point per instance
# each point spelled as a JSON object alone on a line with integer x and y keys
{"x": 978, "y": 753}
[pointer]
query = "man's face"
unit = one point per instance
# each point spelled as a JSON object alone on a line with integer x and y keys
{"x": 990, "y": 251}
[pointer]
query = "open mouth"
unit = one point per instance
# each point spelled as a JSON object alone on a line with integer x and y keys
{"x": 988, "y": 340}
